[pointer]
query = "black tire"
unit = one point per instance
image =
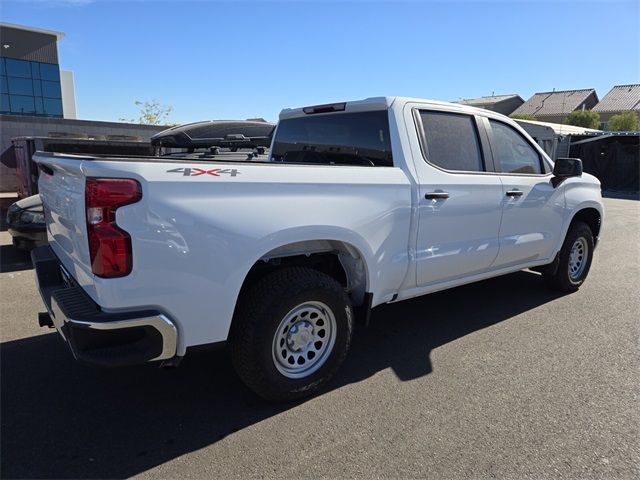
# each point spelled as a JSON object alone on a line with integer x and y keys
{"x": 258, "y": 318}
{"x": 561, "y": 279}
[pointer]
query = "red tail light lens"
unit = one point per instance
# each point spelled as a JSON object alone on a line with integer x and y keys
{"x": 109, "y": 245}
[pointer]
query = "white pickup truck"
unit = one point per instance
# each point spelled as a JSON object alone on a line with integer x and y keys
{"x": 359, "y": 204}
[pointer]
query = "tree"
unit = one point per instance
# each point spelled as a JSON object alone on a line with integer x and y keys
{"x": 522, "y": 116}
{"x": 583, "y": 118}
{"x": 151, "y": 113}
{"x": 624, "y": 122}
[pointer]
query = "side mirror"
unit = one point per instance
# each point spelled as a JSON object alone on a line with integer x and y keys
{"x": 565, "y": 168}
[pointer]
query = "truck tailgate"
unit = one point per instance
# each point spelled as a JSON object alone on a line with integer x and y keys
{"x": 62, "y": 186}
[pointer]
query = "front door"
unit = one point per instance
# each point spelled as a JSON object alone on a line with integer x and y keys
{"x": 533, "y": 209}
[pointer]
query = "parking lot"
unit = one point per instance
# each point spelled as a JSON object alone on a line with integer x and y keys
{"x": 502, "y": 378}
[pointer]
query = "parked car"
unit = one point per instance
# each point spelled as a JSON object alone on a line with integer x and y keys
{"x": 25, "y": 223}
{"x": 359, "y": 204}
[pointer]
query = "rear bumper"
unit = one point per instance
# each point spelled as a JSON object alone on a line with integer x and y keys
{"x": 94, "y": 336}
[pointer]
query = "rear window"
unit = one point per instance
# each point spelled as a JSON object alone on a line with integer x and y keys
{"x": 360, "y": 138}
{"x": 452, "y": 141}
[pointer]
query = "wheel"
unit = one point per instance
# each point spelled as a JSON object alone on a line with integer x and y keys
{"x": 574, "y": 259}
{"x": 291, "y": 332}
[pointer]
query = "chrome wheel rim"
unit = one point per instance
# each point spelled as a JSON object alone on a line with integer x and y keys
{"x": 304, "y": 339}
{"x": 578, "y": 259}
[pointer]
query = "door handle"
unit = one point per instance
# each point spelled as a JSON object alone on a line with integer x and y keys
{"x": 436, "y": 195}
{"x": 514, "y": 193}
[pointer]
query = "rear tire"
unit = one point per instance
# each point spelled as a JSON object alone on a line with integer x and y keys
{"x": 291, "y": 332}
{"x": 574, "y": 259}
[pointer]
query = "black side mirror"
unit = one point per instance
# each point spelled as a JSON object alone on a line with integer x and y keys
{"x": 565, "y": 168}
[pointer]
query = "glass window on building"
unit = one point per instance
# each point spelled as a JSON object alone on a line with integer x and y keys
{"x": 35, "y": 70}
{"x": 39, "y": 106}
{"x": 18, "y": 68}
{"x": 20, "y": 86}
{"x": 49, "y": 72}
{"x": 51, "y": 89}
{"x": 53, "y": 106}
{"x": 22, "y": 104}
{"x": 30, "y": 88}
{"x": 4, "y": 104}
{"x": 37, "y": 88}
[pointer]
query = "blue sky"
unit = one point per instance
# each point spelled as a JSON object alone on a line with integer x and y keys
{"x": 214, "y": 60}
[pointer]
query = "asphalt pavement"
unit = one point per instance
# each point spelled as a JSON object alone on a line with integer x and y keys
{"x": 499, "y": 379}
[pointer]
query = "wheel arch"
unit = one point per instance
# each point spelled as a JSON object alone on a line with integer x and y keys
{"x": 592, "y": 217}
{"x": 339, "y": 259}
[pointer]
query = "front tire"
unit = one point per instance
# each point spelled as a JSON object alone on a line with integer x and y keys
{"x": 291, "y": 332}
{"x": 574, "y": 259}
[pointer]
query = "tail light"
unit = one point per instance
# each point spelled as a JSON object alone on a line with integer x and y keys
{"x": 109, "y": 245}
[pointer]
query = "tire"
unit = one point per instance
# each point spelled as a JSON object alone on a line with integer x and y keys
{"x": 572, "y": 268}
{"x": 291, "y": 333}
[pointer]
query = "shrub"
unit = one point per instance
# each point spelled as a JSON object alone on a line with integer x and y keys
{"x": 624, "y": 122}
{"x": 583, "y": 118}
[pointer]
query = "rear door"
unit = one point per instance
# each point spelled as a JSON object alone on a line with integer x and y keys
{"x": 533, "y": 209}
{"x": 460, "y": 201}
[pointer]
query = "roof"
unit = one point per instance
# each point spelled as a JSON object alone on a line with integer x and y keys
{"x": 489, "y": 100}
{"x": 59, "y": 35}
{"x": 561, "y": 129}
{"x": 619, "y": 99}
{"x": 382, "y": 103}
{"x": 554, "y": 103}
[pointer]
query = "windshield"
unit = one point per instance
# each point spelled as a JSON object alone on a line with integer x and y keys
{"x": 360, "y": 138}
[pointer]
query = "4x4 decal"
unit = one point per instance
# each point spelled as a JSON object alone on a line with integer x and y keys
{"x": 194, "y": 172}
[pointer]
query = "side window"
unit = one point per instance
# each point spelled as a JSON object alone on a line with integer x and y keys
{"x": 512, "y": 152}
{"x": 452, "y": 141}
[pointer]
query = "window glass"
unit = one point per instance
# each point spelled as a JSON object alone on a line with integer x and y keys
{"x": 37, "y": 88}
{"x": 39, "y": 106}
{"x": 511, "y": 151}
{"x": 452, "y": 141}
{"x": 22, "y": 104}
{"x": 360, "y": 138}
{"x": 4, "y": 104}
{"x": 18, "y": 68}
{"x": 4, "y": 88}
{"x": 3, "y": 69}
{"x": 52, "y": 106}
{"x": 35, "y": 69}
{"x": 51, "y": 89}
{"x": 49, "y": 72}
{"x": 20, "y": 86}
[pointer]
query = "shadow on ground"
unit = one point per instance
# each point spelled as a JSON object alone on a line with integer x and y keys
{"x": 63, "y": 419}
{"x": 14, "y": 260}
{"x": 11, "y": 259}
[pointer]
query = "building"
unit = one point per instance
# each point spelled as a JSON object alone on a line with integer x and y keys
{"x": 38, "y": 100}
{"x": 554, "y": 107}
{"x": 504, "y": 104}
{"x": 621, "y": 98}
{"x": 31, "y": 80}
